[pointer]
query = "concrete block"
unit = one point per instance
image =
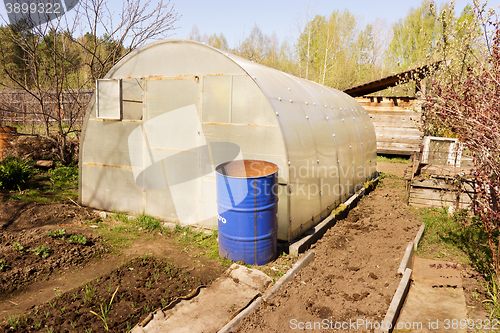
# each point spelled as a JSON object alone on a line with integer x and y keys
{"x": 407, "y": 261}
{"x": 397, "y": 303}
{"x": 418, "y": 236}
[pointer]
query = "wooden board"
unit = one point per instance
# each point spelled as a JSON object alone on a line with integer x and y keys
{"x": 438, "y": 193}
{"x": 396, "y": 126}
{"x": 440, "y": 184}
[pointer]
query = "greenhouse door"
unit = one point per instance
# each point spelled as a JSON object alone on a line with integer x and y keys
{"x": 176, "y": 147}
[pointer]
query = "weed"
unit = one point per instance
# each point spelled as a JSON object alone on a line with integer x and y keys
{"x": 15, "y": 173}
{"x": 38, "y": 324}
{"x": 64, "y": 176}
{"x": 42, "y": 251}
{"x": 475, "y": 295}
{"x": 18, "y": 247}
{"x": 75, "y": 295}
{"x": 89, "y": 291}
{"x": 163, "y": 302}
{"x": 88, "y": 330}
{"x": 3, "y": 265}
{"x": 73, "y": 324}
{"x": 77, "y": 239}
{"x": 148, "y": 284}
{"x": 63, "y": 309}
{"x": 105, "y": 310}
{"x": 388, "y": 175}
{"x": 57, "y": 233}
{"x": 493, "y": 301}
{"x": 52, "y": 305}
{"x": 393, "y": 159}
{"x": 169, "y": 271}
{"x": 156, "y": 276}
{"x": 50, "y": 329}
{"x": 148, "y": 223}
{"x": 133, "y": 304}
{"x": 14, "y": 321}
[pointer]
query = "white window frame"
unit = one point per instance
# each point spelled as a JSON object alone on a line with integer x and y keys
{"x": 116, "y": 114}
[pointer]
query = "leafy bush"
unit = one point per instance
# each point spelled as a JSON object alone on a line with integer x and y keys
{"x": 14, "y": 172}
{"x": 64, "y": 175}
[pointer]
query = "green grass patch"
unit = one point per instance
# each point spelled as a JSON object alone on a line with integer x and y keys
{"x": 118, "y": 237}
{"x": 202, "y": 240}
{"x": 456, "y": 238}
{"x": 59, "y": 184}
{"x": 390, "y": 159}
{"x": 383, "y": 175}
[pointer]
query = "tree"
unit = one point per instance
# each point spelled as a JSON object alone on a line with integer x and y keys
{"x": 467, "y": 103}
{"x": 218, "y": 41}
{"x": 328, "y": 47}
{"x": 52, "y": 66}
{"x": 415, "y": 38}
{"x": 255, "y": 47}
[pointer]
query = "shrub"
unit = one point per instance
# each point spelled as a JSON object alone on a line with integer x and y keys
{"x": 14, "y": 173}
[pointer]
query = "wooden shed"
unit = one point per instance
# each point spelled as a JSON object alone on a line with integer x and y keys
{"x": 397, "y": 120}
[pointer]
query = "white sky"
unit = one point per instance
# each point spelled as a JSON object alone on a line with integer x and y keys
{"x": 236, "y": 18}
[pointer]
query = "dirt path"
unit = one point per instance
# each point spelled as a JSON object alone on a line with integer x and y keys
{"x": 354, "y": 274}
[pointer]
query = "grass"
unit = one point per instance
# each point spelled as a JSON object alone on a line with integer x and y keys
{"x": 58, "y": 184}
{"x": 383, "y": 176}
{"x": 391, "y": 159}
{"x": 446, "y": 237}
{"x": 461, "y": 238}
{"x": 105, "y": 310}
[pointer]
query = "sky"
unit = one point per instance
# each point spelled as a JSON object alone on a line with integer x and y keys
{"x": 235, "y": 18}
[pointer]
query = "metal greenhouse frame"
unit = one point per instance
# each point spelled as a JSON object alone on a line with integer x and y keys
{"x": 168, "y": 113}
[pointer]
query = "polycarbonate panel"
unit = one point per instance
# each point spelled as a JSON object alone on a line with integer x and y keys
{"x": 165, "y": 94}
{"x": 132, "y": 90}
{"x": 132, "y": 110}
{"x": 110, "y": 188}
{"x": 216, "y": 99}
{"x": 107, "y": 142}
{"x": 174, "y": 57}
{"x": 249, "y": 105}
{"x": 302, "y": 107}
{"x": 109, "y": 99}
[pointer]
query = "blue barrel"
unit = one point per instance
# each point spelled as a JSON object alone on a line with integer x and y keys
{"x": 247, "y": 203}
